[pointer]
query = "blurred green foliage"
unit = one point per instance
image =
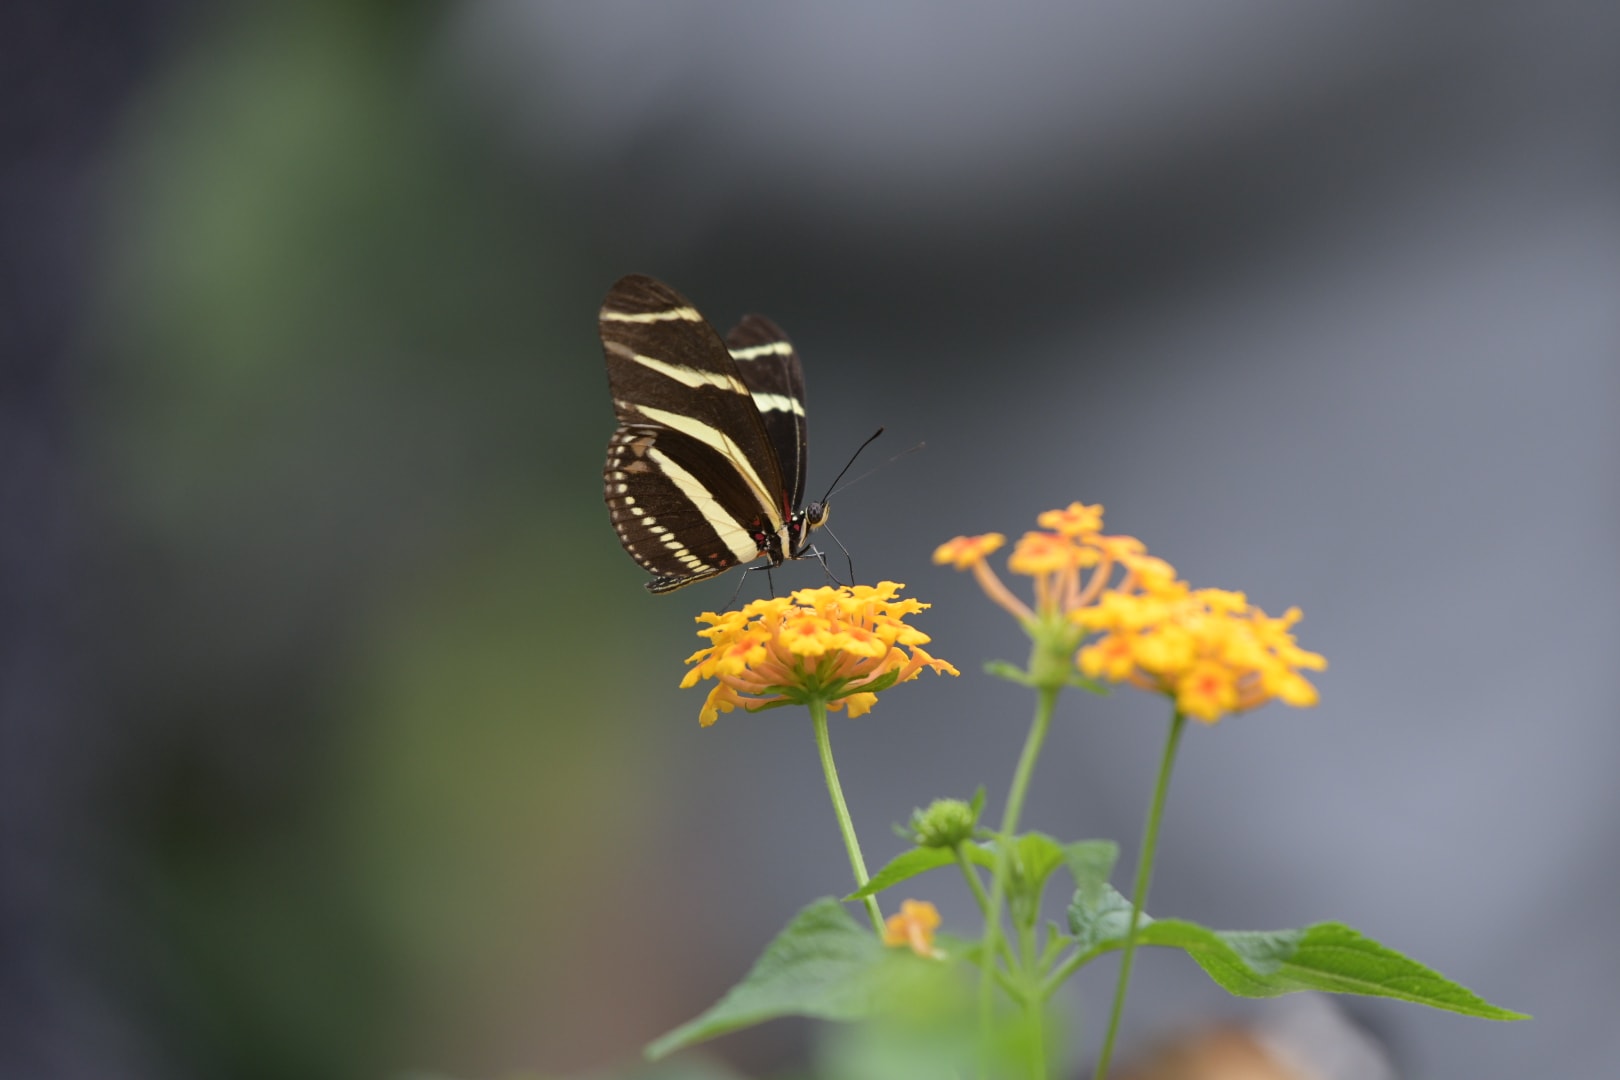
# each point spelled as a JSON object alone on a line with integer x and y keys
{"x": 348, "y": 435}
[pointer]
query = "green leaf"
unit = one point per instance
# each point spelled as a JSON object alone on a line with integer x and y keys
{"x": 1329, "y": 957}
{"x": 822, "y": 965}
{"x": 1095, "y": 912}
{"x": 931, "y": 1032}
{"x": 1032, "y": 858}
{"x": 981, "y": 854}
{"x": 1035, "y": 857}
{"x": 1006, "y": 669}
{"x": 907, "y": 864}
{"x": 977, "y": 803}
{"x": 1091, "y": 863}
{"x": 1100, "y": 917}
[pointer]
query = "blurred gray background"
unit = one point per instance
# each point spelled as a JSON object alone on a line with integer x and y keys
{"x": 337, "y": 738}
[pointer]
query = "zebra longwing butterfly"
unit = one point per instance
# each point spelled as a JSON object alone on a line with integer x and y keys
{"x": 706, "y": 469}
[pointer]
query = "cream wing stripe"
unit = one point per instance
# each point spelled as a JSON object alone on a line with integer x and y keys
{"x": 754, "y": 352}
{"x": 687, "y": 376}
{"x": 731, "y": 533}
{"x": 777, "y": 403}
{"x": 679, "y": 314}
{"x": 720, "y": 442}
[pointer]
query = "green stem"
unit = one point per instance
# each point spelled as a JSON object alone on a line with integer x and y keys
{"x": 1144, "y": 877}
{"x": 1045, "y": 704}
{"x": 983, "y": 900}
{"x": 1071, "y": 964}
{"x": 1055, "y": 945}
{"x": 818, "y": 715}
{"x": 1037, "y": 1019}
{"x": 1015, "y": 990}
{"x": 973, "y": 881}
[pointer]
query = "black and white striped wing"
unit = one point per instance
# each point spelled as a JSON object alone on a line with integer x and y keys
{"x": 770, "y": 369}
{"x": 692, "y": 481}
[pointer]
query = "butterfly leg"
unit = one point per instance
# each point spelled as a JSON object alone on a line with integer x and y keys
{"x": 847, "y": 557}
{"x": 742, "y": 577}
{"x": 820, "y": 556}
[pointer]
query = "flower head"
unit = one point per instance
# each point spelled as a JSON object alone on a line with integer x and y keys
{"x": 914, "y": 925}
{"x": 841, "y": 646}
{"x": 1209, "y": 650}
{"x": 1041, "y": 553}
{"x": 964, "y": 551}
{"x": 1069, "y": 558}
{"x": 1076, "y": 520}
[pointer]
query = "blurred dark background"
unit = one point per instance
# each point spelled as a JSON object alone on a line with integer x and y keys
{"x": 337, "y": 736}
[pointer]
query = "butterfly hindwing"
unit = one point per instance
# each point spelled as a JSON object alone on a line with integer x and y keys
{"x": 678, "y": 538}
{"x": 693, "y": 482}
{"x": 771, "y": 371}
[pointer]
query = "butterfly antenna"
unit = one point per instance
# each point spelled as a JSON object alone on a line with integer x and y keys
{"x": 852, "y": 457}
{"x": 876, "y": 468}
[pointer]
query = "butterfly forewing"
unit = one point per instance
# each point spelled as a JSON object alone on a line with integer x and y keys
{"x": 770, "y": 369}
{"x": 692, "y": 481}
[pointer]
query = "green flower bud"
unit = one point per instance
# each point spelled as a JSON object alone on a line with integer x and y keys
{"x": 945, "y": 824}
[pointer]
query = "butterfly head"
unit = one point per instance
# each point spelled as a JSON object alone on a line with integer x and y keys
{"x": 804, "y": 522}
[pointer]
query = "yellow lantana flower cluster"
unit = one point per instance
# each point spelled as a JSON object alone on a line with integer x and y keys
{"x": 1209, "y": 650}
{"x": 840, "y": 645}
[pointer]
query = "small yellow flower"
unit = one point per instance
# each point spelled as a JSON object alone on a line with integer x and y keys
{"x": 964, "y": 551}
{"x": 1043, "y": 553}
{"x": 1206, "y": 691}
{"x": 1112, "y": 658}
{"x": 914, "y": 925}
{"x": 861, "y": 641}
{"x": 837, "y": 645}
{"x": 1076, "y": 521}
{"x": 807, "y": 635}
{"x": 735, "y": 658}
{"x": 861, "y": 704}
